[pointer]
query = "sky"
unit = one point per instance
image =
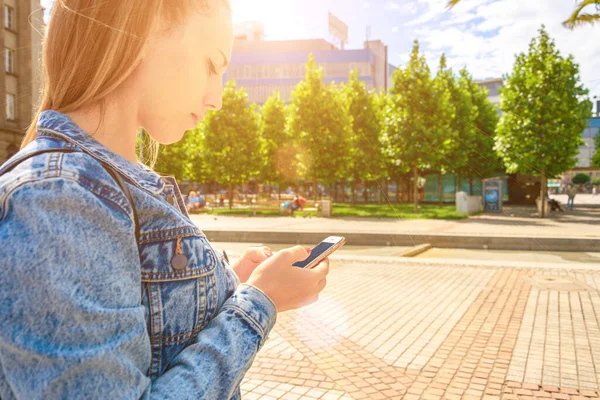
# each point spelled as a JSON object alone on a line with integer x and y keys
{"x": 483, "y": 35}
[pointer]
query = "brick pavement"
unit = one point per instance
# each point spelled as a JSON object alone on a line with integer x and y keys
{"x": 385, "y": 331}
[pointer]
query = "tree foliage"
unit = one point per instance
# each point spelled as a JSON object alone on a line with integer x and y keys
{"x": 279, "y": 155}
{"x": 479, "y": 142}
{"x": 182, "y": 159}
{"x": 596, "y": 158}
{"x": 540, "y": 130}
{"x": 413, "y": 123}
{"x": 581, "y": 179}
{"x": 457, "y": 117}
{"x": 231, "y": 140}
{"x": 364, "y": 155}
{"x": 321, "y": 124}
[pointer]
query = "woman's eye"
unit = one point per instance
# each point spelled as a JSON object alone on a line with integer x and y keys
{"x": 212, "y": 70}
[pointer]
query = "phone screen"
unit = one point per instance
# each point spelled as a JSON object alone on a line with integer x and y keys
{"x": 314, "y": 254}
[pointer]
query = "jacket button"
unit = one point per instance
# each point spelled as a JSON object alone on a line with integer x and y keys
{"x": 179, "y": 262}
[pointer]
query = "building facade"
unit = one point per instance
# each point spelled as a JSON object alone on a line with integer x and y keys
{"x": 588, "y": 148}
{"x": 20, "y": 77}
{"x": 493, "y": 86}
{"x": 263, "y": 66}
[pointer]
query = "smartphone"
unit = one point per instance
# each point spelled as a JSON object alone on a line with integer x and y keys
{"x": 322, "y": 251}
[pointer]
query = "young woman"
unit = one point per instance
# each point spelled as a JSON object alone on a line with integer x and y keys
{"x": 107, "y": 289}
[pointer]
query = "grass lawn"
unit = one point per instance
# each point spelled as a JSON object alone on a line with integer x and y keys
{"x": 397, "y": 211}
{"x": 364, "y": 210}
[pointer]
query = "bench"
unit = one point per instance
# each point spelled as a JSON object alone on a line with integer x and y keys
{"x": 305, "y": 209}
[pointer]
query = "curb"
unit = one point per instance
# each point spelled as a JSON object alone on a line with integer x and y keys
{"x": 444, "y": 262}
{"x": 448, "y": 241}
{"x": 415, "y": 251}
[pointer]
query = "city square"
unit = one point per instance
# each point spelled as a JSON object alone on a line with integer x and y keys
{"x": 431, "y": 331}
{"x": 297, "y": 199}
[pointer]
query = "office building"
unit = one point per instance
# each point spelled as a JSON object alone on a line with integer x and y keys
{"x": 588, "y": 147}
{"x": 20, "y": 79}
{"x": 493, "y": 86}
{"x": 264, "y": 66}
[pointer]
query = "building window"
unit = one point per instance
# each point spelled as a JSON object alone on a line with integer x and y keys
{"x": 9, "y": 17}
{"x": 9, "y": 61}
{"x": 10, "y": 107}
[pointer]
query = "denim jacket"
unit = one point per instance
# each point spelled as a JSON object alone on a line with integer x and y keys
{"x": 85, "y": 311}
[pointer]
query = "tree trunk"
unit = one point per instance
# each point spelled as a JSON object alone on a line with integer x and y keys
{"x": 542, "y": 194}
{"x": 353, "y": 188}
{"x": 416, "y": 188}
{"x": 316, "y": 188}
{"x": 441, "y": 188}
{"x": 398, "y": 191}
{"x": 334, "y": 191}
{"x": 230, "y": 195}
{"x": 217, "y": 195}
{"x": 471, "y": 185}
{"x": 381, "y": 191}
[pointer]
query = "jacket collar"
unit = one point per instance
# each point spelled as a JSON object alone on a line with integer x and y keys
{"x": 53, "y": 123}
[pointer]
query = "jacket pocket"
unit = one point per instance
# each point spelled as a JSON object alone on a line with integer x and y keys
{"x": 179, "y": 291}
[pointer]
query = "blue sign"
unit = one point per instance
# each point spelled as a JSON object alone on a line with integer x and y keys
{"x": 492, "y": 199}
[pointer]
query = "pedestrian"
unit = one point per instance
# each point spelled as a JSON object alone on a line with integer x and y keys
{"x": 191, "y": 200}
{"x": 594, "y": 191}
{"x": 108, "y": 289}
{"x": 571, "y": 192}
{"x": 294, "y": 205}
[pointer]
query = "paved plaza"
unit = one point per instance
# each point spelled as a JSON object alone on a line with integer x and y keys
{"x": 512, "y": 221}
{"x": 428, "y": 330}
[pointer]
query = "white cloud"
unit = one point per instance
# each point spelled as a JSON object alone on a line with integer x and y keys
{"x": 504, "y": 28}
{"x": 461, "y": 19}
{"x": 404, "y": 7}
{"x": 395, "y": 29}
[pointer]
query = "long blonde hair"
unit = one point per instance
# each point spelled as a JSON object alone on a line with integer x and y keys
{"x": 90, "y": 49}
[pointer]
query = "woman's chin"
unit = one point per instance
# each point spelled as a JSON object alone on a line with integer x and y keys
{"x": 168, "y": 139}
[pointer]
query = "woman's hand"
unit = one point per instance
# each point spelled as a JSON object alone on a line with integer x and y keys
{"x": 287, "y": 286}
{"x": 248, "y": 262}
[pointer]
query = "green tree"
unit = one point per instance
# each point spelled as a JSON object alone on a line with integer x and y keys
{"x": 578, "y": 17}
{"x": 320, "y": 123}
{"x": 540, "y": 130}
{"x": 479, "y": 142}
{"x": 581, "y": 179}
{"x": 178, "y": 159}
{"x": 412, "y": 131}
{"x": 596, "y": 158}
{"x": 231, "y": 140}
{"x": 391, "y": 167}
{"x": 456, "y": 109}
{"x": 279, "y": 155}
{"x": 365, "y": 146}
